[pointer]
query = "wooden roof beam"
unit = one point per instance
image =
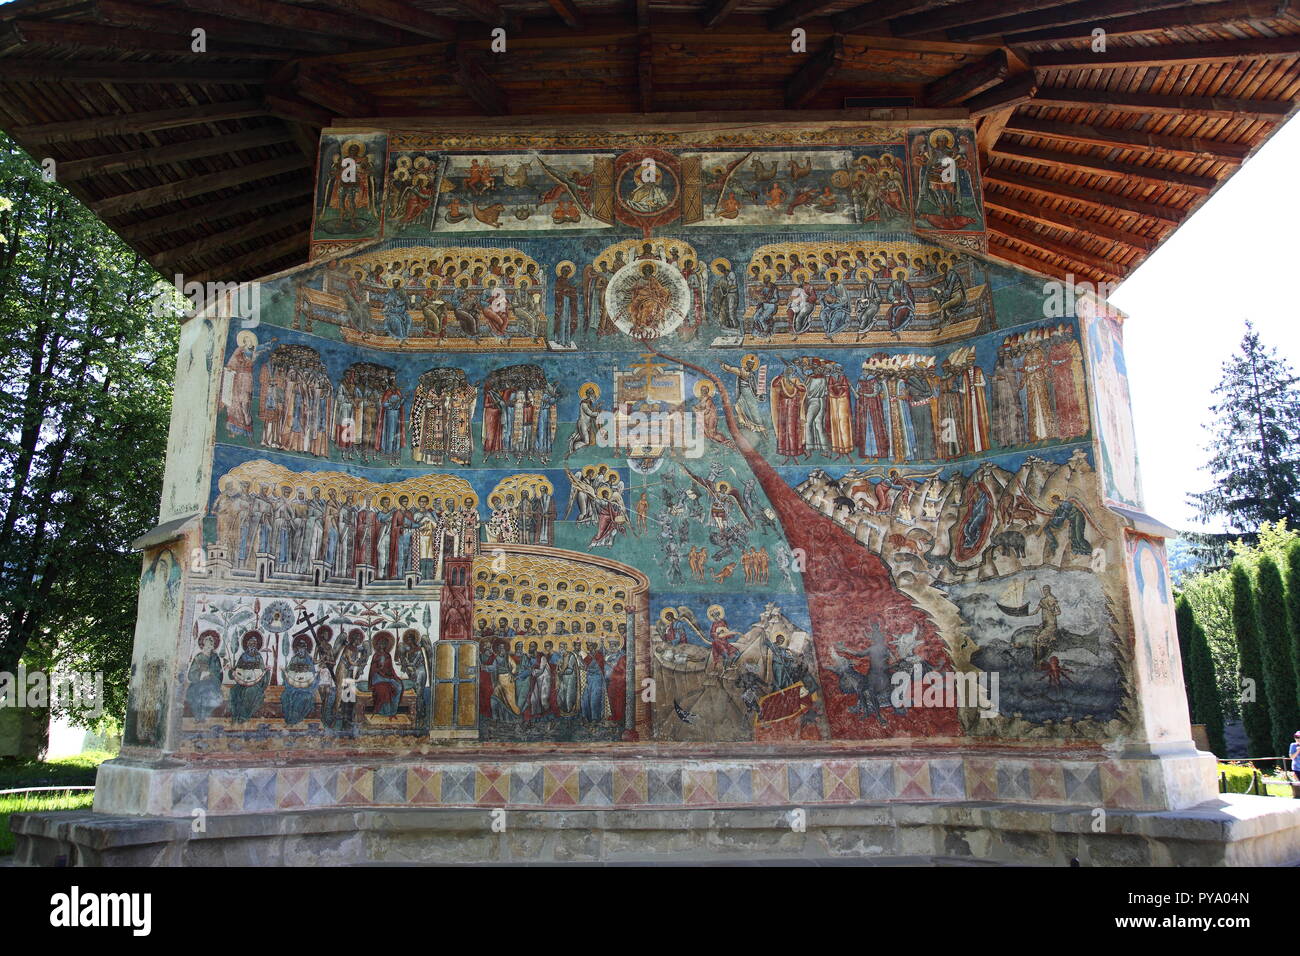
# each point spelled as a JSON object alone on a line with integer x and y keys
{"x": 1000, "y": 250}
{"x": 283, "y": 101}
{"x": 1124, "y": 102}
{"x": 796, "y": 11}
{"x": 234, "y": 268}
{"x": 78, "y": 71}
{"x": 255, "y": 201}
{"x": 717, "y": 11}
{"x": 195, "y": 186}
{"x": 645, "y": 71}
{"x": 1097, "y": 166}
{"x": 1088, "y": 12}
{"x": 1008, "y": 94}
{"x": 128, "y": 124}
{"x": 567, "y": 11}
{"x": 1141, "y": 20}
{"x": 1171, "y": 54}
{"x": 325, "y": 87}
{"x": 815, "y": 73}
{"x": 469, "y": 72}
{"x": 215, "y": 243}
{"x": 399, "y": 15}
{"x": 969, "y": 80}
{"x": 95, "y": 36}
{"x": 963, "y": 14}
{"x": 180, "y": 23}
{"x": 1007, "y": 229}
{"x": 876, "y": 14}
{"x": 1116, "y": 138}
{"x": 1056, "y": 218}
{"x": 1096, "y": 198}
{"x": 296, "y": 17}
{"x": 154, "y": 156}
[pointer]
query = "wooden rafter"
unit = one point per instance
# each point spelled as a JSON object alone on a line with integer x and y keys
{"x": 126, "y": 124}
{"x": 717, "y": 11}
{"x": 234, "y": 268}
{"x": 999, "y": 249}
{"x": 324, "y": 86}
{"x": 257, "y": 201}
{"x": 797, "y": 11}
{"x": 876, "y": 14}
{"x": 180, "y": 23}
{"x": 1010, "y": 229}
{"x": 398, "y": 14}
{"x": 474, "y": 79}
{"x": 962, "y": 14}
{"x": 1050, "y": 216}
{"x": 212, "y": 244}
{"x": 1122, "y": 101}
{"x": 645, "y": 71}
{"x": 76, "y": 71}
{"x": 196, "y": 186}
{"x": 1078, "y": 18}
{"x": 90, "y": 36}
{"x": 1098, "y": 166}
{"x": 1096, "y": 198}
{"x": 567, "y": 11}
{"x": 1010, "y": 93}
{"x": 815, "y": 73}
{"x": 323, "y": 22}
{"x": 1145, "y": 17}
{"x": 1175, "y": 54}
{"x": 1117, "y": 138}
{"x": 969, "y": 80}
{"x": 154, "y": 156}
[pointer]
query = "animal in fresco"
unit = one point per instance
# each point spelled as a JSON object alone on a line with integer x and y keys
{"x": 799, "y": 171}
{"x": 523, "y": 212}
{"x": 720, "y": 576}
{"x": 801, "y": 198}
{"x": 761, "y": 173}
{"x": 914, "y": 541}
{"x": 454, "y": 211}
{"x": 685, "y": 716}
{"x": 519, "y": 177}
{"x": 489, "y": 215}
{"x": 1010, "y": 542}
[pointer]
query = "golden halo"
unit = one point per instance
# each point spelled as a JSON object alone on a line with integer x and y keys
{"x": 573, "y": 270}
{"x": 703, "y": 386}
{"x": 403, "y": 161}
{"x": 349, "y": 143}
{"x": 719, "y": 262}
{"x": 724, "y": 487}
{"x": 546, "y": 488}
{"x": 941, "y": 136}
{"x": 246, "y": 339}
{"x": 749, "y": 361}
{"x": 840, "y": 178}
{"x": 590, "y": 388}
{"x": 714, "y": 612}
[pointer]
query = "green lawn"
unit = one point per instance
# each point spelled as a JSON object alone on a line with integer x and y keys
{"x": 80, "y": 770}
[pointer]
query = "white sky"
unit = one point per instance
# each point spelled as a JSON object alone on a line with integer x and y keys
{"x": 1187, "y": 304}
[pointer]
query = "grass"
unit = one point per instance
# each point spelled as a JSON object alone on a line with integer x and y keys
{"x": 80, "y": 770}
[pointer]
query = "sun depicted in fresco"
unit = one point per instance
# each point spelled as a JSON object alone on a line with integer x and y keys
{"x": 647, "y": 299}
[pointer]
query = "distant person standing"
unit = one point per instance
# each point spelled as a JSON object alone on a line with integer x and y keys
{"x": 1294, "y": 753}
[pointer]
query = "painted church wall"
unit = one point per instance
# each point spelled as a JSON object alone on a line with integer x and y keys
{"x": 702, "y": 440}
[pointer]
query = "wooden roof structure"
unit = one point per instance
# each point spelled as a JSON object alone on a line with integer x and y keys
{"x": 203, "y": 161}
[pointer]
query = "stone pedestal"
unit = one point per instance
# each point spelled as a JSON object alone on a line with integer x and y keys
{"x": 1234, "y": 830}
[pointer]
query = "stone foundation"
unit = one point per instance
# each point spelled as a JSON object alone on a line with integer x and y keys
{"x": 1235, "y": 830}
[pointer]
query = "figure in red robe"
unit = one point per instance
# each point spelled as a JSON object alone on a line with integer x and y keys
{"x": 787, "y": 416}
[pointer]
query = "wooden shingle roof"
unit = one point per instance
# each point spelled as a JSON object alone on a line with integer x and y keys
{"x": 203, "y": 161}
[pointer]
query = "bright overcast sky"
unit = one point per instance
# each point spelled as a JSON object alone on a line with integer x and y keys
{"x": 1233, "y": 260}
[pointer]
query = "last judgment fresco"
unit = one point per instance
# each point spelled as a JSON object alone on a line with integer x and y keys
{"x": 719, "y": 440}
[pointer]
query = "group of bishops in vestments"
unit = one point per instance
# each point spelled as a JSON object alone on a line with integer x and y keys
{"x": 901, "y": 409}
{"x": 526, "y": 675}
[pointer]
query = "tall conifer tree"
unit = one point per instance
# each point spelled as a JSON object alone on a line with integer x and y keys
{"x": 1255, "y": 450}
{"x": 1275, "y": 647}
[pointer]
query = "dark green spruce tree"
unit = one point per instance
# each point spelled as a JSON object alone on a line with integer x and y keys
{"x": 1255, "y": 450}
{"x": 1275, "y": 647}
{"x": 1254, "y": 700}
{"x": 1185, "y": 619}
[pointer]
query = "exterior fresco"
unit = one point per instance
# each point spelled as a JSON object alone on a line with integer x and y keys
{"x": 690, "y": 440}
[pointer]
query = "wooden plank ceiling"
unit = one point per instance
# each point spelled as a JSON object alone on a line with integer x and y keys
{"x": 203, "y": 161}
